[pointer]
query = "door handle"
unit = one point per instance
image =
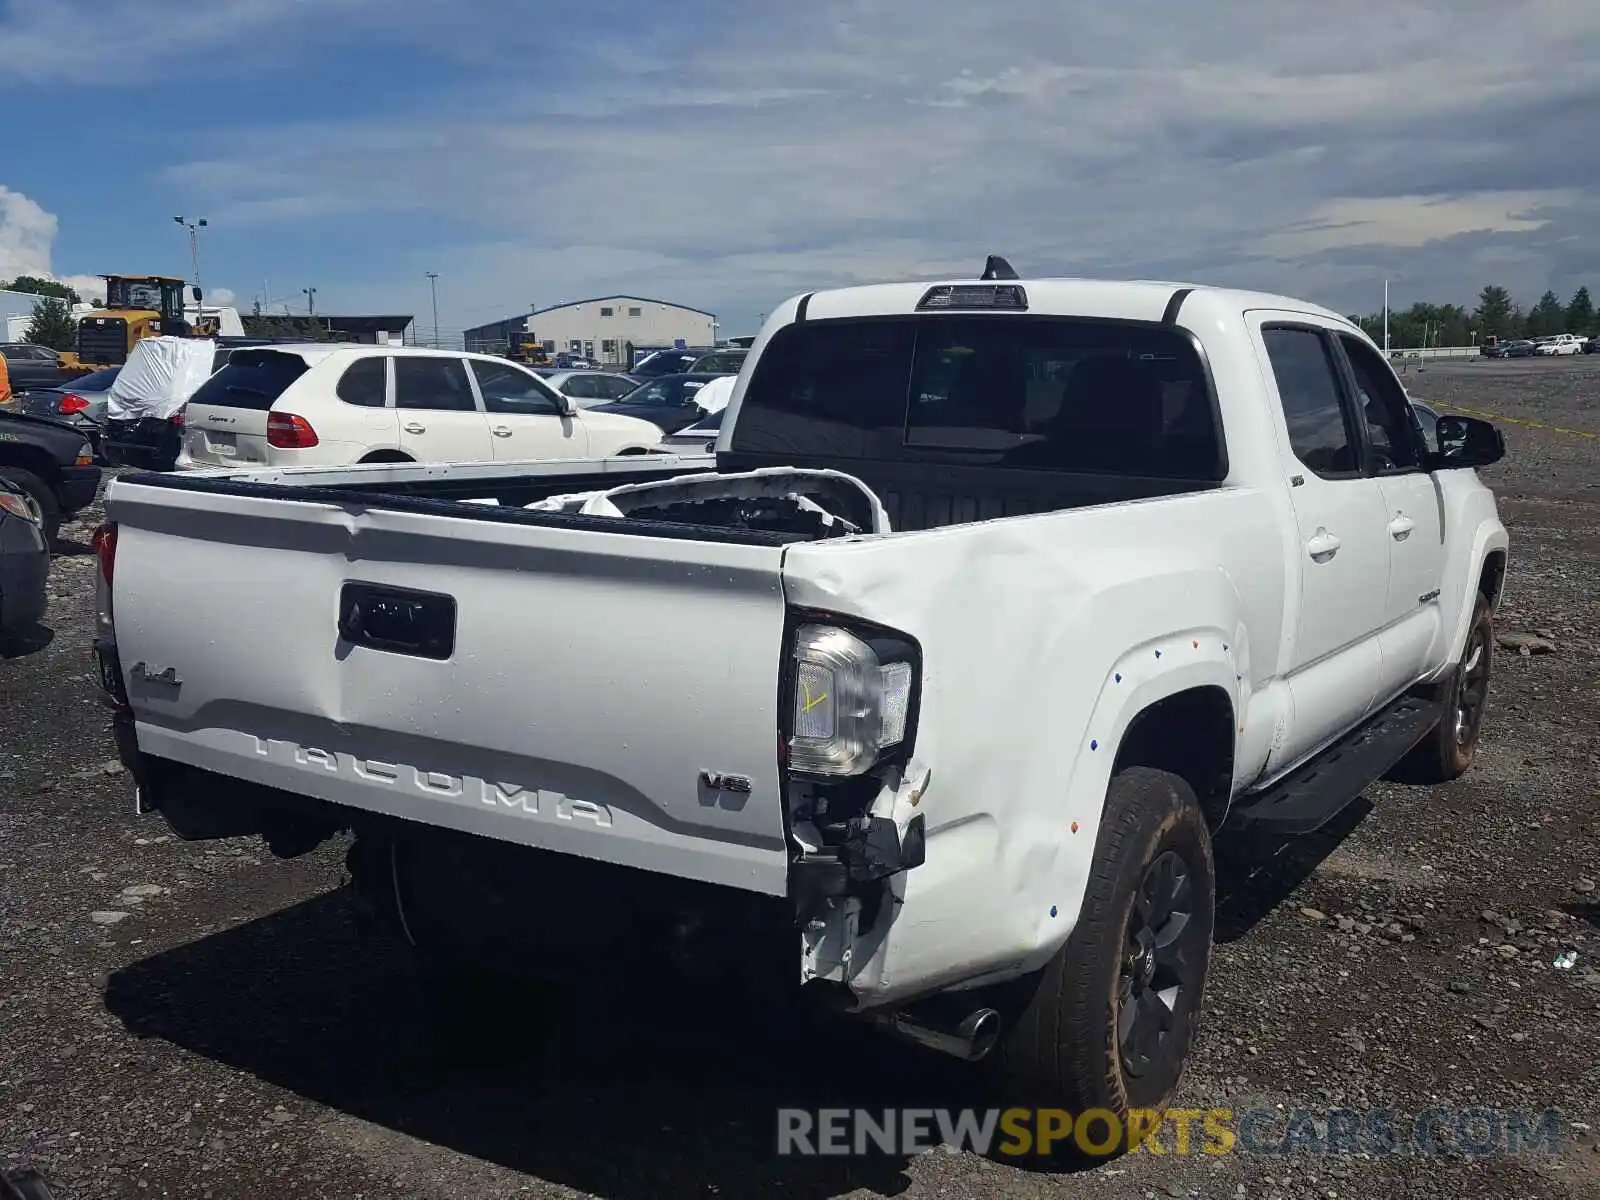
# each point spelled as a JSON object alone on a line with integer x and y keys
{"x": 1323, "y": 546}
{"x": 499, "y": 431}
{"x": 413, "y": 427}
{"x": 1401, "y": 527}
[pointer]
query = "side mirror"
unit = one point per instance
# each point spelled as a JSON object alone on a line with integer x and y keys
{"x": 1466, "y": 442}
{"x": 195, "y": 292}
{"x": 565, "y": 404}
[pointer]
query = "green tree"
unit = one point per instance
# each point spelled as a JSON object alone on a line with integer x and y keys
{"x": 1580, "y": 313}
{"x": 1546, "y": 317}
{"x": 1496, "y": 314}
{"x": 52, "y": 325}
{"x": 37, "y": 286}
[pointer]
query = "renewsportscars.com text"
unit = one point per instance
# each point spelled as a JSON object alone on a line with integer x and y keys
{"x": 1022, "y": 1132}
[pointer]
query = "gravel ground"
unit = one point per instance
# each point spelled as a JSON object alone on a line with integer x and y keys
{"x": 201, "y": 1020}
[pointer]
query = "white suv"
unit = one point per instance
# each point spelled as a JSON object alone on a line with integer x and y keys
{"x": 332, "y": 405}
{"x": 1559, "y": 343}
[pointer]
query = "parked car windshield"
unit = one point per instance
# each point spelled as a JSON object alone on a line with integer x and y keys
{"x": 1033, "y": 392}
{"x": 664, "y": 392}
{"x": 665, "y": 362}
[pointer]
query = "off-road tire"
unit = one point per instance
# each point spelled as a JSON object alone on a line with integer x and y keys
{"x": 1447, "y": 752}
{"x": 1061, "y": 1048}
{"x": 43, "y": 496}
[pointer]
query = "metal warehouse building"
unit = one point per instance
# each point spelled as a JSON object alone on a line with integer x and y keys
{"x": 608, "y": 329}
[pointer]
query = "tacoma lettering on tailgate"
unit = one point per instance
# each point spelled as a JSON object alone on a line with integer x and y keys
{"x": 539, "y": 802}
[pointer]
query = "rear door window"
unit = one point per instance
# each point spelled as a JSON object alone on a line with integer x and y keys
{"x": 1035, "y": 393}
{"x": 437, "y": 383}
{"x": 251, "y": 379}
{"x": 365, "y": 382}
{"x": 1307, "y": 376}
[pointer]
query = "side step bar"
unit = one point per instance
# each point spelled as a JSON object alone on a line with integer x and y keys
{"x": 1313, "y": 794}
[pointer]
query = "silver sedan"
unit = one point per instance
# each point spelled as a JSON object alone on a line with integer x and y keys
{"x": 588, "y": 388}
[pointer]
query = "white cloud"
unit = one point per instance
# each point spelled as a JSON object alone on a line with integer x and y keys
{"x": 27, "y": 239}
{"x": 1411, "y": 221}
{"x": 26, "y": 232}
{"x": 1294, "y": 146}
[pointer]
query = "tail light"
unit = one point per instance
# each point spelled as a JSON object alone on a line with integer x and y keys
{"x": 105, "y": 549}
{"x": 287, "y": 431}
{"x": 177, "y": 417}
{"x": 72, "y": 403}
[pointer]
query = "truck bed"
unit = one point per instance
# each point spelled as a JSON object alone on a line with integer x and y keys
{"x": 913, "y": 496}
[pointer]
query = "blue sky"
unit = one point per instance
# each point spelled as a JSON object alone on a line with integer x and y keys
{"x": 730, "y": 155}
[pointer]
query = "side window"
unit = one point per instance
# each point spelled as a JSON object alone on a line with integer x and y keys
{"x": 1308, "y": 385}
{"x": 1384, "y": 407}
{"x": 508, "y": 390}
{"x": 580, "y": 387}
{"x": 364, "y": 382}
{"x": 613, "y": 389}
{"x": 437, "y": 383}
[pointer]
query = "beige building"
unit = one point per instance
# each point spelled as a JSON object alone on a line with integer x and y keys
{"x": 610, "y": 330}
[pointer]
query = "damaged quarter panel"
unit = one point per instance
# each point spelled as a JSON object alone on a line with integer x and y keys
{"x": 1042, "y": 638}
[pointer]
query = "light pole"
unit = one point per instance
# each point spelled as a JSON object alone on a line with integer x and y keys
{"x": 311, "y": 301}
{"x": 433, "y": 287}
{"x": 194, "y": 228}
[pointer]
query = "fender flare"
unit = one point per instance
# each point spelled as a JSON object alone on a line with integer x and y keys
{"x": 1489, "y": 538}
{"x": 1146, "y": 680}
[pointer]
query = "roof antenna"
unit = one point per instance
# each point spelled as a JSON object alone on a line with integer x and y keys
{"x": 997, "y": 268}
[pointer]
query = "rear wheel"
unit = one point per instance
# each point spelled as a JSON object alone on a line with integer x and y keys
{"x": 1448, "y": 751}
{"x": 43, "y": 496}
{"x": 1108, "y": 1023}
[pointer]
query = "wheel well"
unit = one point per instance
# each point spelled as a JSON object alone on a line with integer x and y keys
{"x": 633, "y": 450}
{"x": 1493, "y": 578}
{"x": 29, "y": 458}
{"x": 389, "y": 456}
{"x": 1189, "y": 734}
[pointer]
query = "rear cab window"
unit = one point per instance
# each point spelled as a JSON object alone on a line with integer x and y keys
{"x": 1037, "y": 393}
{"x": 251, "y": 379}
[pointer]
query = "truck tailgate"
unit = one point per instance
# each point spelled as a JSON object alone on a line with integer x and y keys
{"x": 580, "y": 696}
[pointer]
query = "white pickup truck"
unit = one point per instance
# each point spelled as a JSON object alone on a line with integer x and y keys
{"x": 997, "y": 602}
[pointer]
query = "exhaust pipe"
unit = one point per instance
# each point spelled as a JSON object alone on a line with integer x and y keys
{"x": 970, "y": 1038}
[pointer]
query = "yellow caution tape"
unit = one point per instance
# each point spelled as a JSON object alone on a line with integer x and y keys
{"x": 1473, "y": 412}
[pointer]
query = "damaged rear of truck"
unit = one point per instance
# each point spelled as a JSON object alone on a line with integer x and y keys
{"x": 930, "y": 678}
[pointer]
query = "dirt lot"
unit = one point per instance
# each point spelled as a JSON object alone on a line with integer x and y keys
{"x": 219, "y": 1031}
